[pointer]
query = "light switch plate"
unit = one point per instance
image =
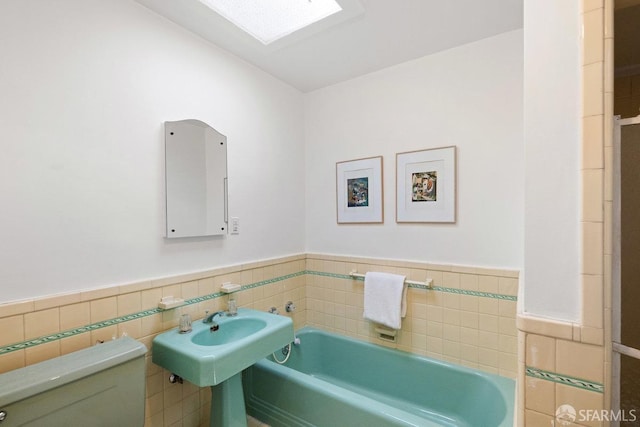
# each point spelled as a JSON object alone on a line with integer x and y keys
{"x": 235, "y": 225}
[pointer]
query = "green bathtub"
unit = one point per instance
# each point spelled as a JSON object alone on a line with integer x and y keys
{"x": 332, "y": 380}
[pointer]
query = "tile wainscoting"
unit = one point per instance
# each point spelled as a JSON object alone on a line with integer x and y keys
{"x": 467, "y": 317}
{"x": 558, "y": 369}
{"x": 37, "y": 330}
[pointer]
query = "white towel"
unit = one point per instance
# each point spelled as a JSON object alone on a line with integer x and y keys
{"x": 385, "y": 298}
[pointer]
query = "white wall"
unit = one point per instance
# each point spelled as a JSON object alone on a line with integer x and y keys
{"x": 85, "y": 86}
{"x": 552, "y": 111}
{"x": 471, "y": 97}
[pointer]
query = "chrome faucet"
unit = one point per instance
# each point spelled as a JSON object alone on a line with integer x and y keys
{"x": 209, "y": 318}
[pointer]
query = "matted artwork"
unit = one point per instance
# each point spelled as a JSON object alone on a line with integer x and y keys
{"x": 359, "y": 191}
{"x": 426, "y": 185}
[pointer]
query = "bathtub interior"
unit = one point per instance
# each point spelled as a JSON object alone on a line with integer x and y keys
{"x": 443, "y": 393}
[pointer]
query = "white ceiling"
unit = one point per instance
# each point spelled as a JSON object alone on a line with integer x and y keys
{"x": 377, "y": 34}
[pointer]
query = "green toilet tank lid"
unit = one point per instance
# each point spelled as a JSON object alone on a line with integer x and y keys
{"x": 24, "y": 382}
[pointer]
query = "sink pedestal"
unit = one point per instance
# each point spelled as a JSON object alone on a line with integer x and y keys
{"x": 227, "y": 403}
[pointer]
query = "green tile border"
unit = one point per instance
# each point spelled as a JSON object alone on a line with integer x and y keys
{"x": 110, "y": 322}
{"x": 433, "y": 288}
{"x": 564, "y": 379}
{"x": 76, "y": 331}
{"x": 99, "y": 325}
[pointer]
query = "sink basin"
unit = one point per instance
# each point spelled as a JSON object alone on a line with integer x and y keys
{"x": 232, "y": 331}
{"x": 207, "y": 358}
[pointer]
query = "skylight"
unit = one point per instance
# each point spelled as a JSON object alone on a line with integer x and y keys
{"x": 270, "y": 20}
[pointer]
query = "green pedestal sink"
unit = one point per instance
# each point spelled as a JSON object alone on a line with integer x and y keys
{"x": 216, "y": 358}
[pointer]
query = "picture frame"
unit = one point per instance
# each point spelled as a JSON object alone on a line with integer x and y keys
{"x": 359, "y": 195}
{"x": 426, "y": 186}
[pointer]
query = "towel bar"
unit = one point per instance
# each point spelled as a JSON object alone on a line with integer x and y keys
{"x": 426, "y": 283}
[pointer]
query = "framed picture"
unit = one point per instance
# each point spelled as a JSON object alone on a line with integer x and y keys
{"x": 426, "y": 185}
{"x": 359, "y": 191}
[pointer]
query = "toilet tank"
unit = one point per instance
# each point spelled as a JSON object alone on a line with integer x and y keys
{"x": 99, "y": 386}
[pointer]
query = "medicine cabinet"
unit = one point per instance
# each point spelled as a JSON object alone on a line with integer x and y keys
{"x": 196, "y": 179}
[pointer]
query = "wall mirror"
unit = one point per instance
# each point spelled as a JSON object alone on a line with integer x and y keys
{"x": 196, "y": 179}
